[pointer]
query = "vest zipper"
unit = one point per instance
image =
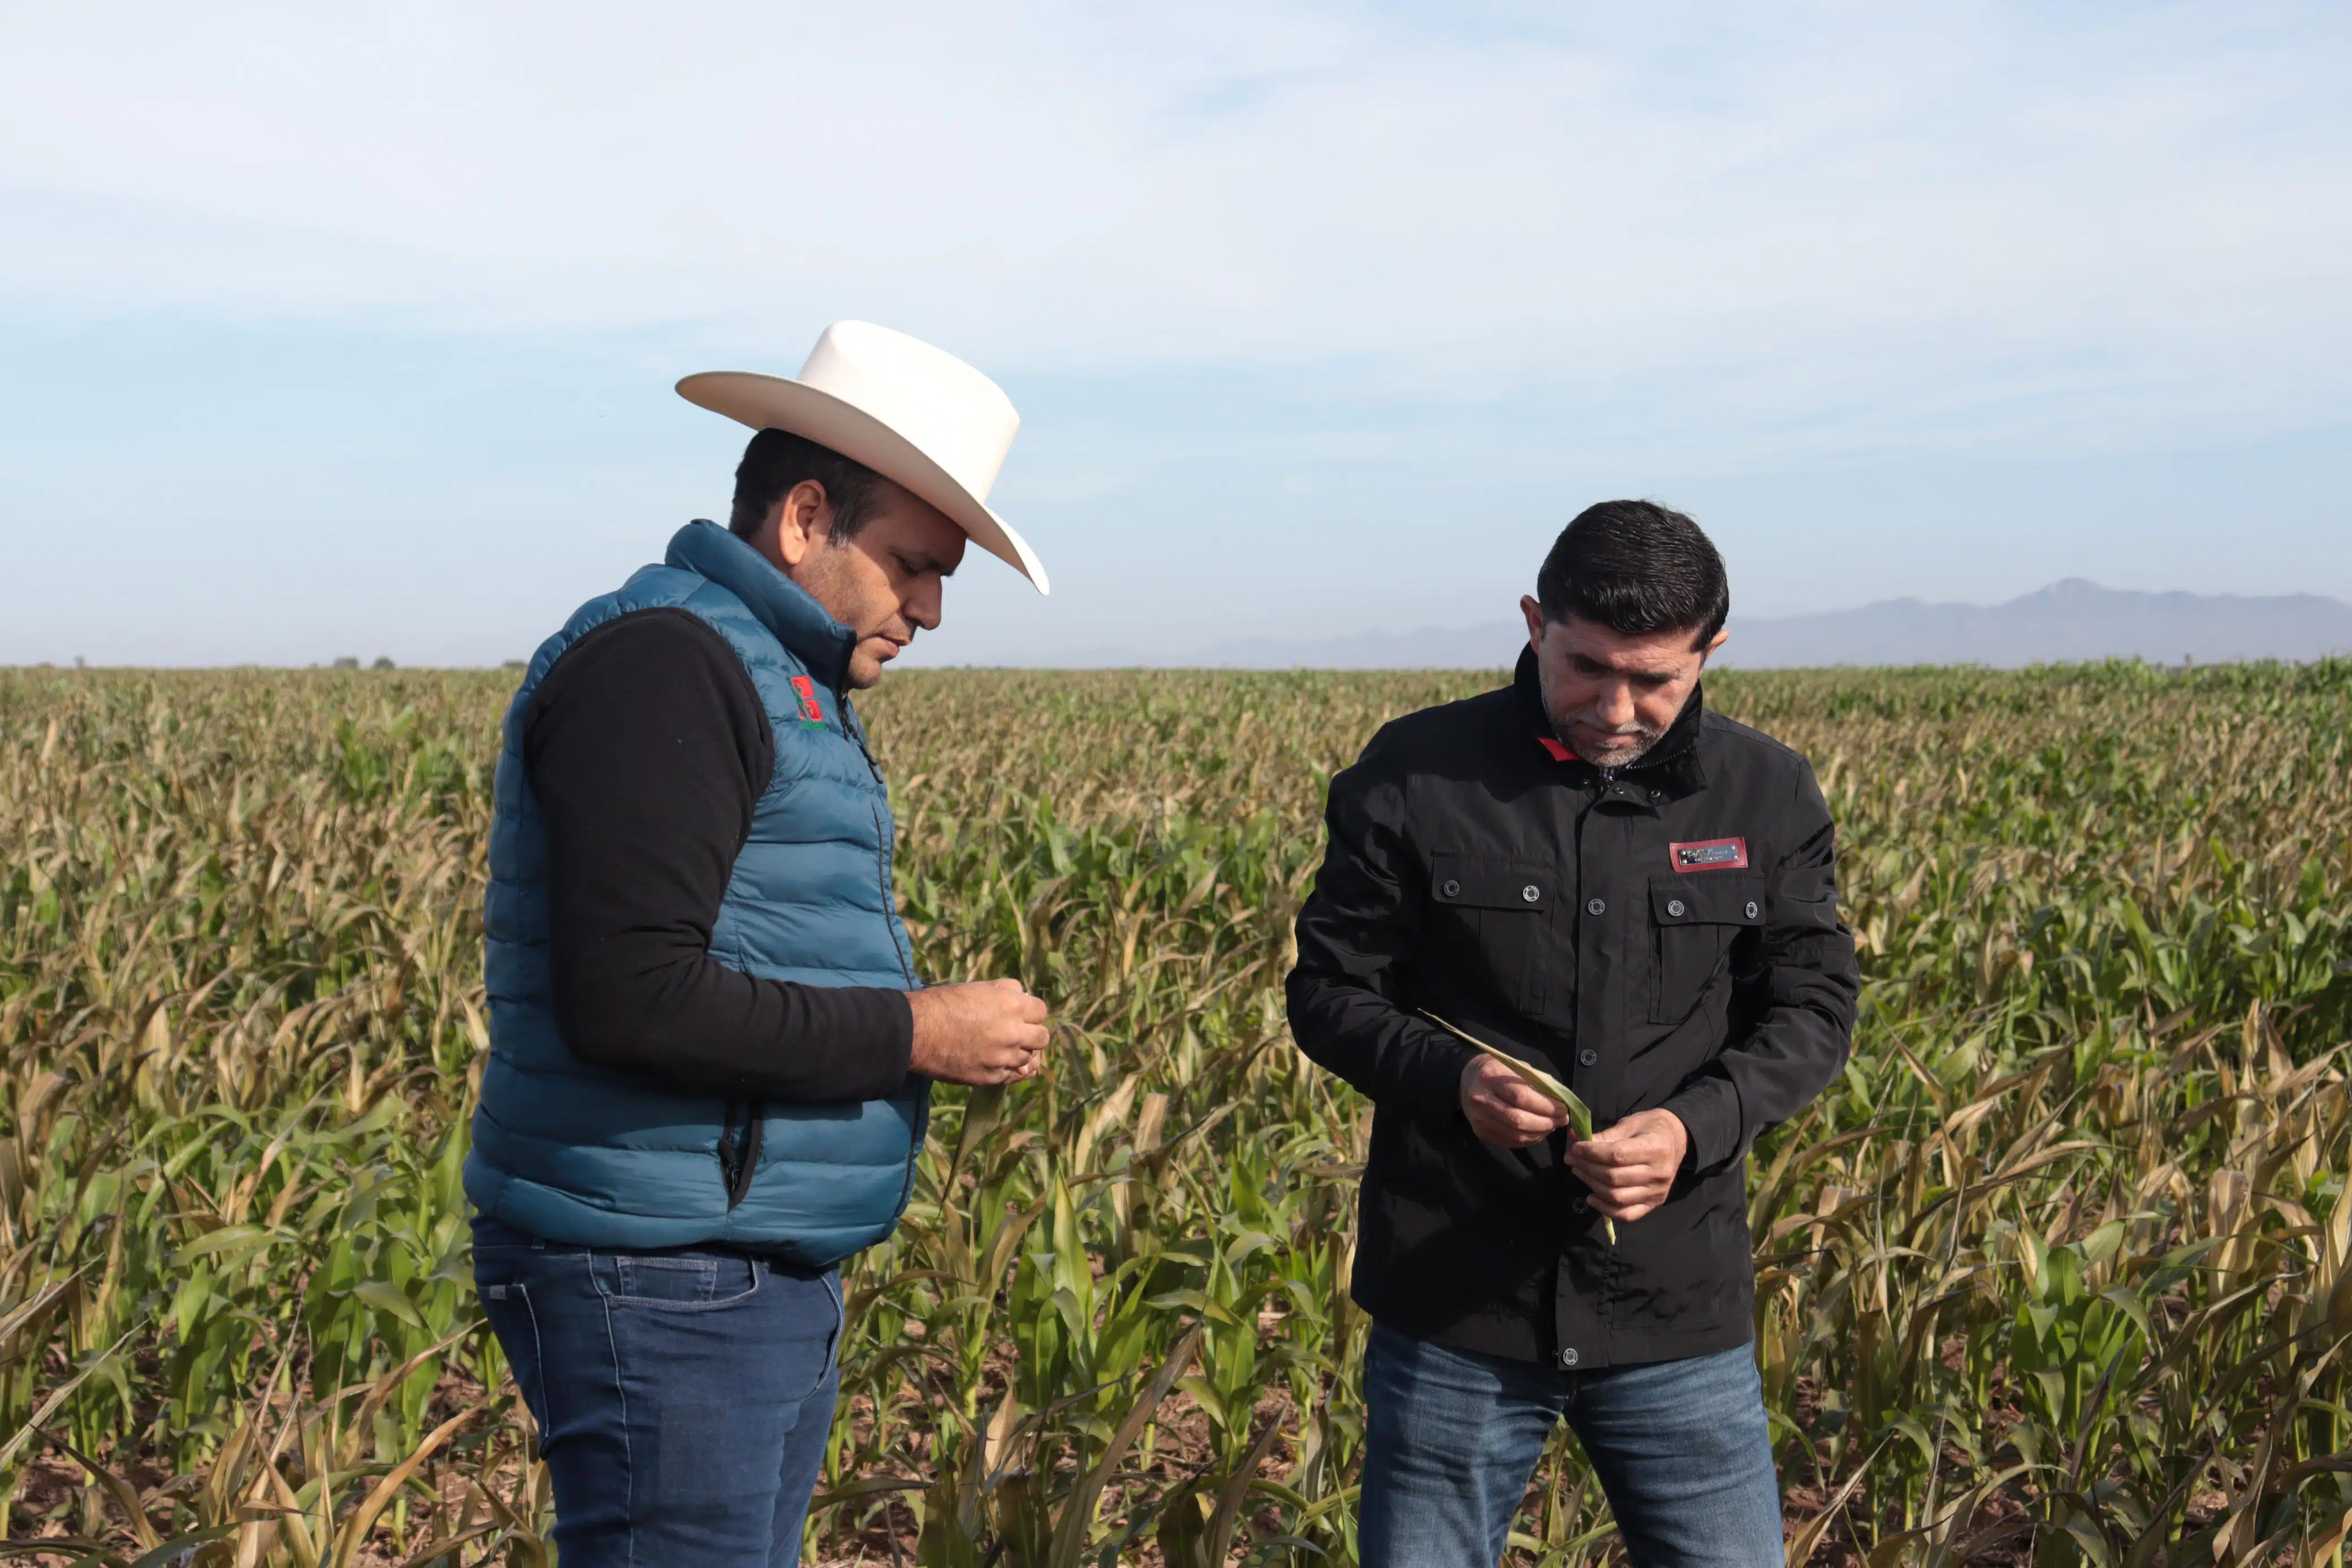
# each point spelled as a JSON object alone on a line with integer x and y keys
{"x": 740, "y": 1136}
{"x": 856, "y": 729}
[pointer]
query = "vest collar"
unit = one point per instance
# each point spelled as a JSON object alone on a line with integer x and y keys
{"x": 779, "y": 603}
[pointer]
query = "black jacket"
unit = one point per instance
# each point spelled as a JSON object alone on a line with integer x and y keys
{"x": 1664, "y": 934}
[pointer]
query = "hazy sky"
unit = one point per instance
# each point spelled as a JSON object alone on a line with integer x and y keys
{"x": 330, "y": 330}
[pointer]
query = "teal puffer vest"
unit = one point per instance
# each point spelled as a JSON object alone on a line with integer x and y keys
{"x": 577, "y": 1154}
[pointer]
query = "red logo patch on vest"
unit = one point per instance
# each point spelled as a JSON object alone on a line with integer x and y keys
{"x": 1711, "y": 854}
{"x": 805, "y": 689}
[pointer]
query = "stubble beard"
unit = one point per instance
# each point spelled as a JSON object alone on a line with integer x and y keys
{"x": 1634, "y": 747}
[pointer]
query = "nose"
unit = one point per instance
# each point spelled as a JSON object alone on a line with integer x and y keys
{"x": 924, "y": 600}
{"x": 1616, "y": 703}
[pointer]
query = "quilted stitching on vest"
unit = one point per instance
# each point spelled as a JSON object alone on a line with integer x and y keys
{"x": 578, "y": 1154}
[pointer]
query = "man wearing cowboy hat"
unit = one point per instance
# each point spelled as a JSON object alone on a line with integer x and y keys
{"x": 710, "y": 1053}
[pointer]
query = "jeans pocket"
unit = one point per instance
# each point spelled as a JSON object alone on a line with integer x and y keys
{"x": 837, "y": 1318}
{"x": 692, "y": 1281}
{"x": 507, "y": 1304}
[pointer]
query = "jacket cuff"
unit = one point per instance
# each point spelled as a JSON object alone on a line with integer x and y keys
{"x": 1441, "y": 1067}
{"x": 1709, "y": 1112}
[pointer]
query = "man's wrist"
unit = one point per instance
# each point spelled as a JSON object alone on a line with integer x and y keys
{"x": 1689, "y": 1162}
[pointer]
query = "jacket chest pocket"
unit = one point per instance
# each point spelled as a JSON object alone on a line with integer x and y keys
{"x": 1492, "y": 916}
{"x": 1693, "y": 921}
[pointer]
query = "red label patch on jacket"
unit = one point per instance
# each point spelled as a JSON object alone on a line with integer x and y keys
{"x": 1557, "y": 752}
{"x": 805, "y": 689}
{"x": 1711, "y": 854}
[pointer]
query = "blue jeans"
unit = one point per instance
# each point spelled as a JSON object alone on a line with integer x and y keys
{"x": 684, "y": 1396}
{"x": 1681, "y": 1449}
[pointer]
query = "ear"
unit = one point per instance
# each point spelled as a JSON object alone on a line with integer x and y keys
{"x": 1719, "y": 639}
{"x": 804, "y": 522}
{"x": 1533, "y": 610}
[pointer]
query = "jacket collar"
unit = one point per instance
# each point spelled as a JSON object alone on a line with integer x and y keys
{"x": 1672, "y": 766}
{"x": 775, "y": 601}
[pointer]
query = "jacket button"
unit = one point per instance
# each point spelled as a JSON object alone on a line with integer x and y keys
{"x": 1587, "y": 1057}
{"x": 1581, "y": 1203}
{"x": 1567, "y": 1357}
{"x": 1597, "y": 906}
{"x": 1532, "y": 893}
{"x": 1752, "y": 909}
{"x": 1675, "y": 908}
{"x": 1452, "y": 888}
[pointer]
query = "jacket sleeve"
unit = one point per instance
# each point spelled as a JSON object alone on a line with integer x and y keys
{"x": 1356, "y": 932}
{"x": 646, "y": 748}
{"x": 1801, "y": 994}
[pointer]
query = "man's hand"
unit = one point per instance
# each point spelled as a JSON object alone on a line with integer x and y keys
{"x": 1630, "y": 1166}
{"x": 1502, "y": 1109}
{"x": 990, "y": 1031}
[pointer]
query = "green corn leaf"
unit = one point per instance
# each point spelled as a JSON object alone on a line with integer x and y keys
{"x": 1580, "y": 1115}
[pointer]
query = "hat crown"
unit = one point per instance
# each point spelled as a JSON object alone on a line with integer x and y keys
{"x": 956, "y": 417}
{"x": 920, "y": 418}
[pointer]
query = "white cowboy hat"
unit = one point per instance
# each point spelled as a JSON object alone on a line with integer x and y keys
{"x": 914, "y": 414}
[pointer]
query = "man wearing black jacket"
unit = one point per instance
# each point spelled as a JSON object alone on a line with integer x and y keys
{"x": 1593, "y": 874}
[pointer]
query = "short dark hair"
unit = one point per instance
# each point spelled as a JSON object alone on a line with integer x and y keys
{"x": 777, "y": 460}
{"x": 1637, "y": 568}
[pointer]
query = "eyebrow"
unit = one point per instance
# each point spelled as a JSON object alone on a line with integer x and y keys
{"x": 1633, "y": 672}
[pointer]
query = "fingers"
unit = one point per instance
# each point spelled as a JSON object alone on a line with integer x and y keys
{"x": 1508, "y": 1135}
{"x": 1508, "y": 1132}
{"x": 983, "y": 1032}
{"x": 1622, "y": 1192}
{"x": 999, "y": 1067}
{"x": 1621, "y": 1163}
{"x": 1508, "y": 1125}
{"x": 1629, "y": 1200}
{"x": 1614, "y": 1147}
{"x": 1627, "y": 1211}
{"x": 1522, "y": 1096}
{"x": 1523, "y": 1126}
{"x": 1504, "y": 1089}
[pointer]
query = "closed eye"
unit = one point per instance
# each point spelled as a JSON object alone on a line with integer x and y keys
{"x": 1647, "y": 680}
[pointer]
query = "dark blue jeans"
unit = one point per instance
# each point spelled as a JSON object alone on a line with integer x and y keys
{"x": 683, "y": 1396}
{"x": 1681, "y": 1447}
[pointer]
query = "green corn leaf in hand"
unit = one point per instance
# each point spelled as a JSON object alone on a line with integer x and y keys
{"x": 1579, "y": 1114}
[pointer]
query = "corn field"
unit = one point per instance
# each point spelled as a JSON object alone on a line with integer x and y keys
{"x": 2057, "y": 1272}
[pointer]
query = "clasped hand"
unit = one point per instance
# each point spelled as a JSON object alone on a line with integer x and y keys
{"x": 1630, "y": 1167}
{"x": 985, "y": 1032}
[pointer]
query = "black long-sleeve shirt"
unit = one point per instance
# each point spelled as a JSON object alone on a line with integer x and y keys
{"x": 647, "y": 747}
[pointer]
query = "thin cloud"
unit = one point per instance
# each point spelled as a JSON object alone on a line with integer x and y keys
{"x": 1077, "y": 190}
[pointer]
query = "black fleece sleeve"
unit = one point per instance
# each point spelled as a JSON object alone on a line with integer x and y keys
{"x": 647, "y": 747}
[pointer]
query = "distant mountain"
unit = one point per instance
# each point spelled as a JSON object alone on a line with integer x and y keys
{"x": 2069, "y": 622}
{"x": 2066, "y": 622}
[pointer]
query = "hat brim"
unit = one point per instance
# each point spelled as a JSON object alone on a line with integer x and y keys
{"x": 778, "y": 403}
